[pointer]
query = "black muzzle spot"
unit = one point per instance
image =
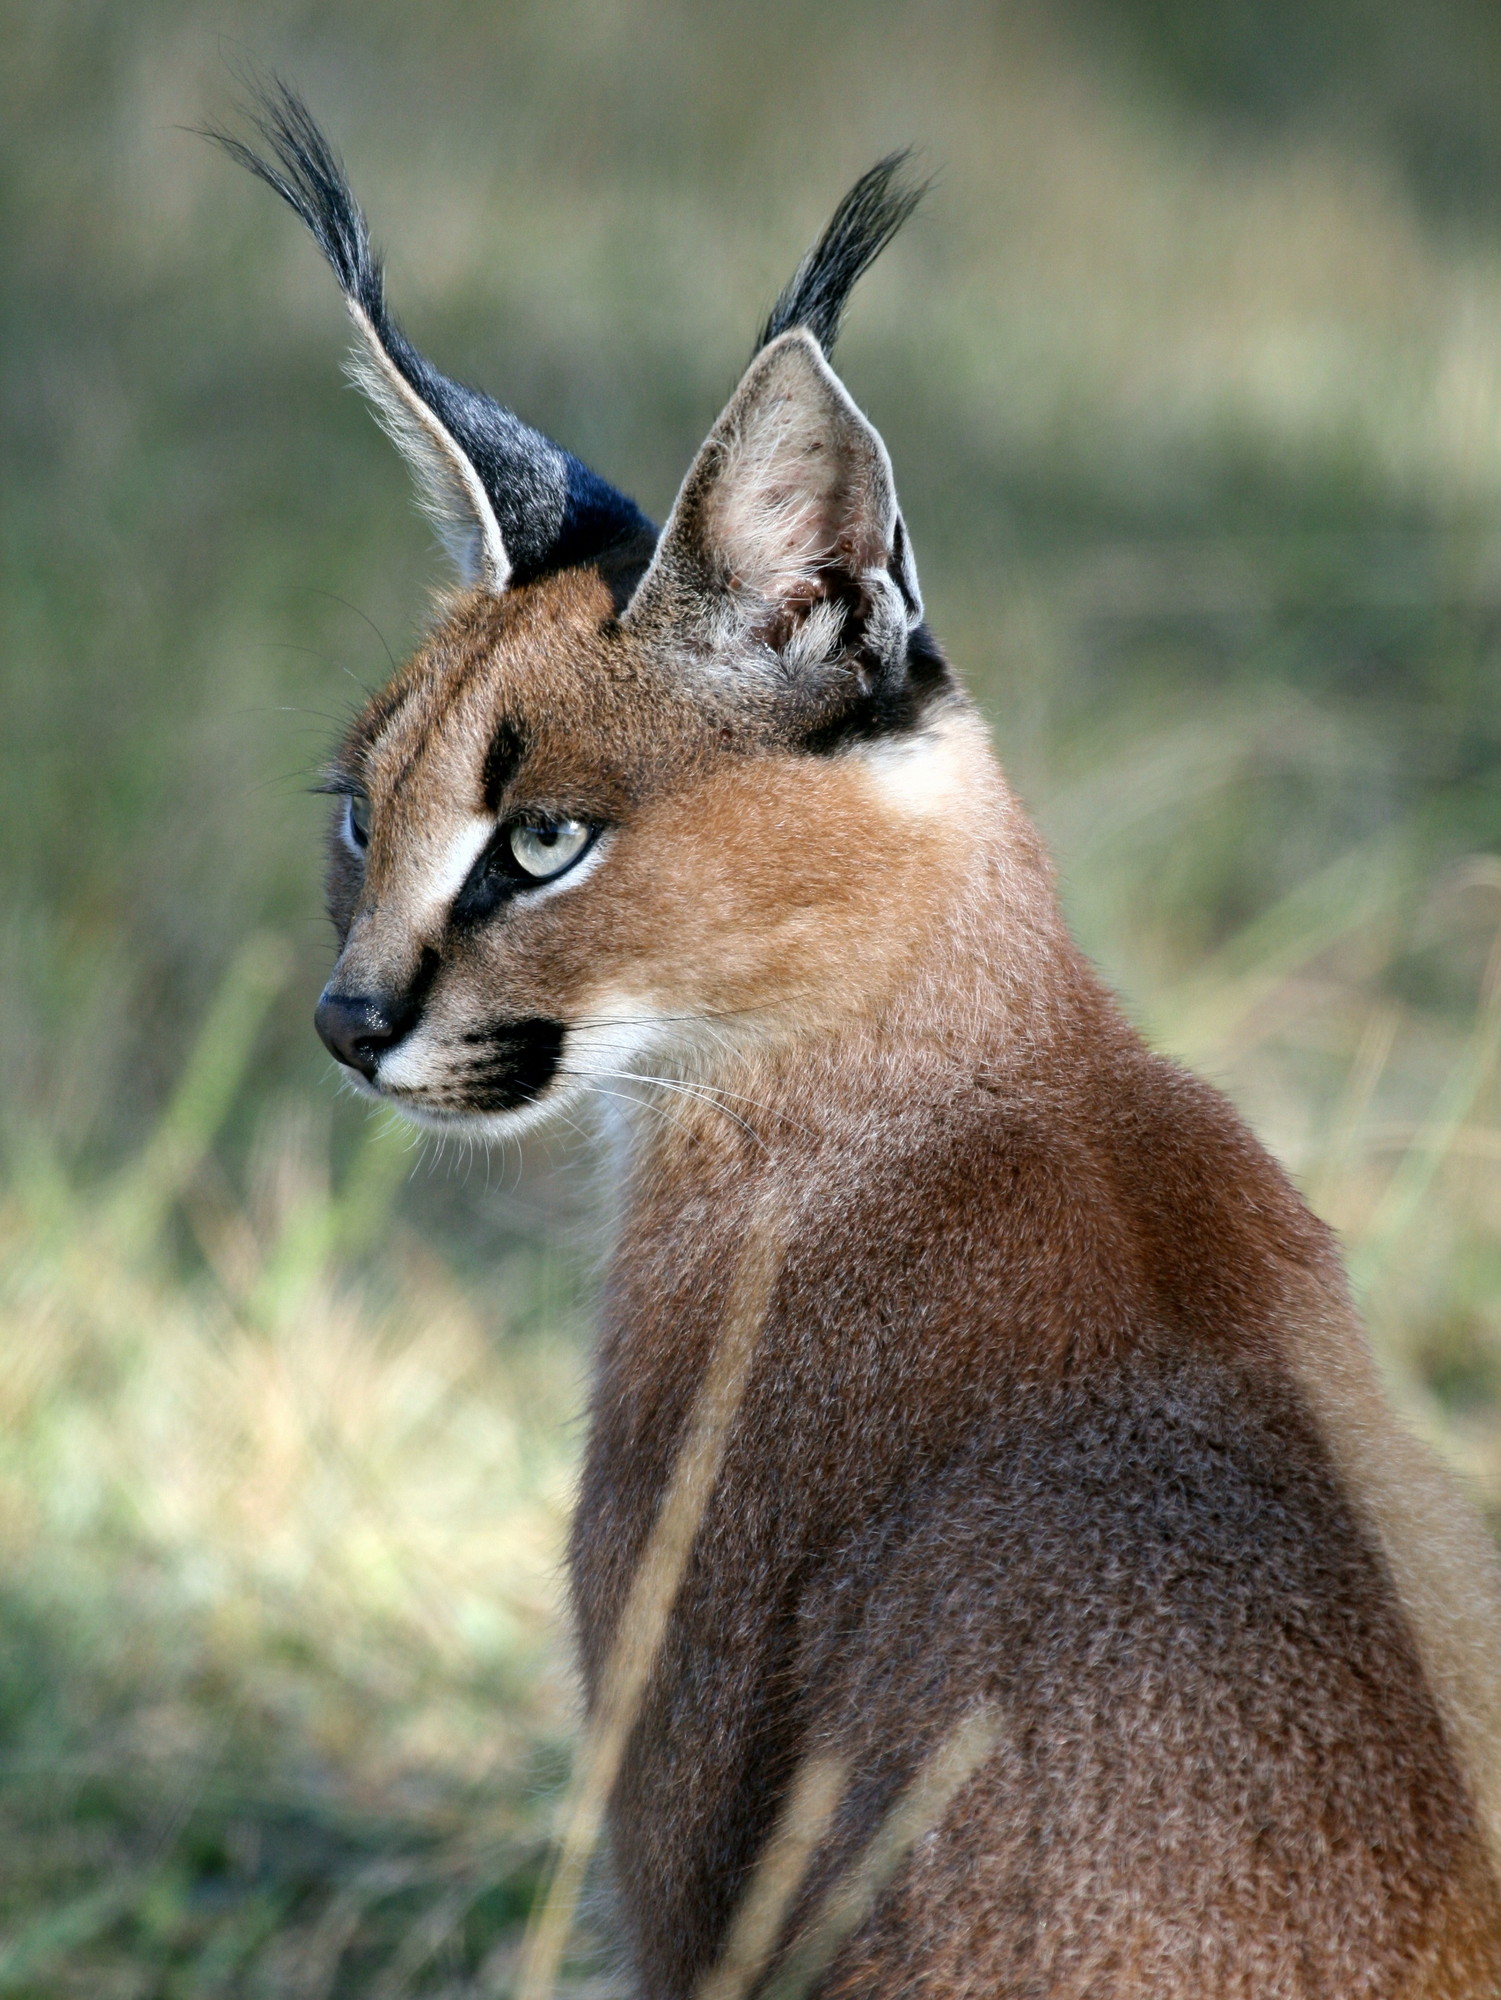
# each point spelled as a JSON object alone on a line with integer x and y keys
{"x": 514, "y": 1062}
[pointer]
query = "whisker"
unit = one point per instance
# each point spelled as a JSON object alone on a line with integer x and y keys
{"x": 313, "y": 590}
{"x": 695, "y": 1017}
{"x": 703, "y": 1097}
{"x": 683, "y": 1089}
{"x": 710, "y": 1092}
{"x": 640, "y": 1103}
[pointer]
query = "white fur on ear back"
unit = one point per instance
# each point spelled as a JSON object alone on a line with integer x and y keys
{"x": 788, "y": 516}
{"x": 450, "y": 490}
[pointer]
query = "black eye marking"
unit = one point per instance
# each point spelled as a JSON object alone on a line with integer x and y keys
{"x": 502, "y": 760}
{"x": 518, "y": 856}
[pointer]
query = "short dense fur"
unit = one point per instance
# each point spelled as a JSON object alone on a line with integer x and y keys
{"x": 1059, "y": 1403}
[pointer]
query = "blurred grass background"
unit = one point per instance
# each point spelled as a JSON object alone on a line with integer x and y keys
{"x": 1191, "y": 370}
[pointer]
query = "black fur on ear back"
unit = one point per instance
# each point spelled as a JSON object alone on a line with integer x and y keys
{"x": 546, "y": 507}
{"x": 859, "y": 230}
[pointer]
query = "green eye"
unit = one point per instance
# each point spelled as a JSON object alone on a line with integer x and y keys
{"x": 546, "y": 849}
{"x": 358, "y": 821}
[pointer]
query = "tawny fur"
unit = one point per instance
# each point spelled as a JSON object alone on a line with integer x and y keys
{"x": 1060, "y": 1402}
{"x": 1030, "y": 1423}
{"x": 1059, "y": 1406}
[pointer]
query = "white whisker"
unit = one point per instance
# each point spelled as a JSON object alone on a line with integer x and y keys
{"x": 639, "y": 1103}
{"x": 711, "y": 1092}
{"x": 704, "y": 1094}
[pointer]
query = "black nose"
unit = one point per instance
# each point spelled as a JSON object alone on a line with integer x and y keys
{"x": 359, "y": 1027}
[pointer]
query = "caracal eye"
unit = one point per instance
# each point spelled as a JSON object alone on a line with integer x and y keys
{"x": 549, "y": 847}
{"x": 359, "y": 820}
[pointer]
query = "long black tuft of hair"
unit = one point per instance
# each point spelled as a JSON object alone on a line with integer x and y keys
{"x": 859, "y": 230}
{"x": 551, "y": 508}
{"x": 309, "y": 176}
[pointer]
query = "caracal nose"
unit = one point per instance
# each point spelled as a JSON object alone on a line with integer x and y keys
{"x": 358, "y": 1028}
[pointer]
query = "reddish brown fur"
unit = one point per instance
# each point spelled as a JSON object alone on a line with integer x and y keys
{"x": 1059, "y": 1415}
{"x": 697, "y": 905}
{"x": 1289, "y": 1819}
{"x": 1038, "y": 1413}
{"x": 1021, "y": 1249}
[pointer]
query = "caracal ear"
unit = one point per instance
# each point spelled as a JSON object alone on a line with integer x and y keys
{"x": 509, "y": 504}
{"x": 785, "y": 551}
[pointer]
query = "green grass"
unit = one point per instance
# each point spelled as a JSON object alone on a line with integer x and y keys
{"x": 279, "y": 1520}
{"x": 1191, "y": 371}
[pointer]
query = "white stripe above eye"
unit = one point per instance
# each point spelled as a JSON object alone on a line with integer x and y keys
{"x": 450, "y": 869}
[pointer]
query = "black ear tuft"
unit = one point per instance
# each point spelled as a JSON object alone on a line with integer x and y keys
{"x": 309, "y": 176}
{"x": 859, "y": 230}
{"x": 509, "y": 503}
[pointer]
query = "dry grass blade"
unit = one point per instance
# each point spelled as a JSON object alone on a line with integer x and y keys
{"x": 192, "y": 1120}
{"x": 778, "y": 1877}
{"x": 917, "y": 1811}
{"x": 282, "y": 1491}
{"x": 1371, "y": 1058}
{"x": 1419, "y": 1167}
{"x": 644, "y": 1620}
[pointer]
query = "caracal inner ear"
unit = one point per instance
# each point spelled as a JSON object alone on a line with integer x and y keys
{"x": 785, "y": 542}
